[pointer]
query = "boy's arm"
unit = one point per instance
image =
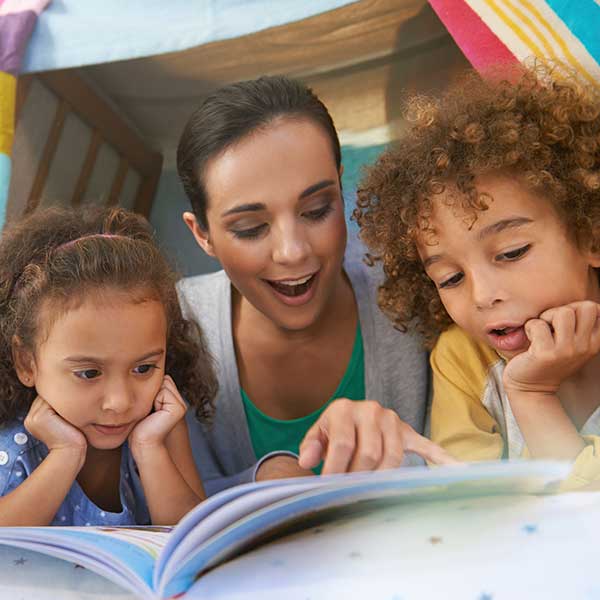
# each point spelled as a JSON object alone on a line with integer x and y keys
{"x": 36, "y": 501}
{"x": 459, "y": 421}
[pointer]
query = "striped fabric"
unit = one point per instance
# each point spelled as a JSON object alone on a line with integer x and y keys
{"x": 494, "y": 31}
{"x": 17, "y": 20}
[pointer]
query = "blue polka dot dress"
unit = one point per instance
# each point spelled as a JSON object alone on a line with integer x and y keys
{"x": 21, "y": 453}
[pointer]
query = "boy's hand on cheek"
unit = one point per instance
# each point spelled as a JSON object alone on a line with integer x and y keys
{"x": 563, "y": 340}
{"x": 169, "y": 409}
{"x": 45, "y": 424}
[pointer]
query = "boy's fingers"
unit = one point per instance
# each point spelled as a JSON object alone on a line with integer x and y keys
{"x": 539, "y": 334}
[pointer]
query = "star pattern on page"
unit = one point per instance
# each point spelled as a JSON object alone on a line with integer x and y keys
{"x": 434, "y": 539}
{"x": 19, "y": 561}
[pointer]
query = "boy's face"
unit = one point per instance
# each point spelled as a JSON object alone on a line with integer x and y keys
{"x": 516, "y": 261}
{"x": 101, "y": 366}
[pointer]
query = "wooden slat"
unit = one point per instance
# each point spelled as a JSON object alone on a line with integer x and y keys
{"x": 87, "y": 168}
{"x": 99, "y": 114}
{"x": 62, "y": 110}
{"x": 118, "y": 182}
{"x": 23, "y": 87}
{"x": 147, "y": 190}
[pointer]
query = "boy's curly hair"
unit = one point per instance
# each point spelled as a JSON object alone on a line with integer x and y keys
{"x": 54, "y": 259}
{"x": 540, "y": 123}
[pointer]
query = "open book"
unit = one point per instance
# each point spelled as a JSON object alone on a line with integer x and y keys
{"x": 160, "y": 562}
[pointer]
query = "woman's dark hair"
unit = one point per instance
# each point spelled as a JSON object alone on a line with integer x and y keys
{"x": 234, "y": 111}
{"x": 54, "y": 259}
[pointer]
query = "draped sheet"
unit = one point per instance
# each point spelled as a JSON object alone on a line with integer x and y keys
{"x": 17, "y": 20}
{"x": 495, "y": 31}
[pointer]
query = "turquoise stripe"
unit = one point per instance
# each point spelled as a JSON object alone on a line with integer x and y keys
{"x": 583, "y": 19}
{"x": 4, "y": 181}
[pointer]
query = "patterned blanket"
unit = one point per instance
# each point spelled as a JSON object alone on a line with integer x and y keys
{"x": 495, "y": 31}
{"x": 17, "y": 20}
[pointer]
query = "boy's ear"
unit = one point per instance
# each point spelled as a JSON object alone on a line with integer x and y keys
{"x": 24, "y": 363}
{"x": 200, "y": 235}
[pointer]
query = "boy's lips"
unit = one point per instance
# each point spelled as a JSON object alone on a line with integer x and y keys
{"x": 507, "y": 337}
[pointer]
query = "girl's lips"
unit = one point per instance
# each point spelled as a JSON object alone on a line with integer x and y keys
{"x": 111, "y": 429}
{"x": 514, "y": 339}
{"x": 296, "y": 300}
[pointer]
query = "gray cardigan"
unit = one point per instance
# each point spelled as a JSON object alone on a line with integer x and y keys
{"x": 396, "y": 370}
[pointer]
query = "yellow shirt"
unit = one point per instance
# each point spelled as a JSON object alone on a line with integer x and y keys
{"x": 471, "y": 416}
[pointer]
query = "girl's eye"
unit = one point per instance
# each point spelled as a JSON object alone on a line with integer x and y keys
{"x": 319, "y": 213}
{"x": 249, "y": 234}
{"x": 88, "y": 374}
{"x": 142, "y": 369}
{"x": 451, "y": 281}
{"x": 514, "y": 254}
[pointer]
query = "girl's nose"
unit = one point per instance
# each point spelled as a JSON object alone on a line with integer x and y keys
{"x": 118, "y": 398}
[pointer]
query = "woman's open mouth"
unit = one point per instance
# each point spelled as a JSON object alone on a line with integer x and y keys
{"x": 295, "y": 291}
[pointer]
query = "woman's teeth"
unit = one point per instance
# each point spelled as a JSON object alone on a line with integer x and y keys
{"x": 293, "y": 287}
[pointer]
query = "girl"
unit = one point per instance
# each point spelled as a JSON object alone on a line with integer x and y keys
{"x": 92, "y": 345}
{"x": 292, "y": 318}
{"x": 487, "y": 220}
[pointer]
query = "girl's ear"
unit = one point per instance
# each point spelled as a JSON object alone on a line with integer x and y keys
{"x": 24, "y": 363}
{"x": 200, "y": 235}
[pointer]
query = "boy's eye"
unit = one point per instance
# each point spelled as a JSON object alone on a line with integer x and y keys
{"x": 514, "y": 254}
{"x": 249, "y": 234}
{"x": 451, "y": 281}
{"x": 88, "y": 374}
{"x": 141, "y": 369}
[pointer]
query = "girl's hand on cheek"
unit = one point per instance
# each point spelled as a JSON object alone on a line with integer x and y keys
{"x": 169, "y": 409}
{"x": 563, "y": 340}
{"x": 45, "y": 424}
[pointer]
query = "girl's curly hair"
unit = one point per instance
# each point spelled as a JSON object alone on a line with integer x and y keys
{"x": 540, "y": 123}
{"x": 55, "y": 258}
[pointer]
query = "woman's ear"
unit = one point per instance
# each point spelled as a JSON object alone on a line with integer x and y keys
{"x": 24, "y": 363}
{"x": 200, "y": 234}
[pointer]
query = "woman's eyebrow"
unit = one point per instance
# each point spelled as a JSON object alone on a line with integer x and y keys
{"x": 316, "y": 187}
{"x": 240, "y": 208}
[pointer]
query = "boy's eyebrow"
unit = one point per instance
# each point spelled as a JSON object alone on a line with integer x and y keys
{"x": 79, "y": 358}
{"x": 502, "y": 225}
{"x": 256, "y": 206}
{"x": 485, "y": 232}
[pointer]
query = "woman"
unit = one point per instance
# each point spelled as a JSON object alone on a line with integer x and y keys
{"x": 292, "y": 320}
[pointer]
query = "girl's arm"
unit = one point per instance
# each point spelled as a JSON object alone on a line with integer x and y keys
{"x": 37, "y": 500}
{"x": 171, "y": 488}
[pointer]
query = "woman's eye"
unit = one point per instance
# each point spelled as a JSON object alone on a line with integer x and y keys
{"x": 451, "y": 281}
{"x": 514, "y": 254}
{"x": 249, "y": 234}
{"x": 318, "y": 213}
{"x": 141, "y": 369}
{"x": 88, "y": 374}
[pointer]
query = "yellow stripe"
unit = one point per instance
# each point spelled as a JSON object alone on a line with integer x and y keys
{"x": 515, "y": 28}
{"x": 560, "y": 41}
{"x": 8, "y": 94}
{"x": 525, "y": 19}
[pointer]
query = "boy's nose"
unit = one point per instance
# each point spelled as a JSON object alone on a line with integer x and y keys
{"x": 486, "y": 292}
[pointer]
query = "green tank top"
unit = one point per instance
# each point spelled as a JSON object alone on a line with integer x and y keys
{"x": 268, "y": 434}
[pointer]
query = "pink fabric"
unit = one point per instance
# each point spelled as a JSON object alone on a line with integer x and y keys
{"x": 477, "y": 41}
{"x": 9, "y": 7}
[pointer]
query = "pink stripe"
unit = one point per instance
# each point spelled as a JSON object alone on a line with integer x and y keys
{"x": 10, "y": 7}
{"x": 478, "y": 42}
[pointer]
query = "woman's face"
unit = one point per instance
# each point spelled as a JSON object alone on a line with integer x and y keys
{"x": 276, "y": 221}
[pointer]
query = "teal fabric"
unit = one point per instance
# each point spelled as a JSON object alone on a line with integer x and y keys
{"x": 268, "y": 434}
{"x": 4, "y": 182}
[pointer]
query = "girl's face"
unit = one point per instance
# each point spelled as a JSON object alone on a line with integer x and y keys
{"x": 516, "y": 261}
{"x": 276, "y": 221}
{"x": 102, "y": 364}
